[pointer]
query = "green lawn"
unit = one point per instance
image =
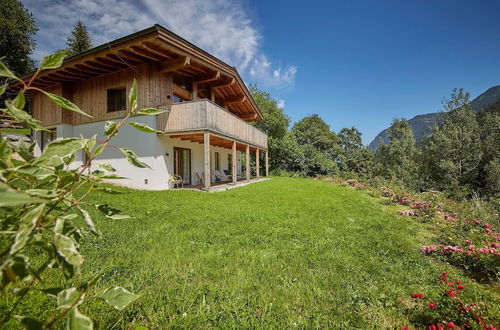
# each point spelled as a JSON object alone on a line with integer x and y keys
{"x": 279, "y": 253}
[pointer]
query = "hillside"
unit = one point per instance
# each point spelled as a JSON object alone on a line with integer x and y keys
{"x": 422, "y": 124}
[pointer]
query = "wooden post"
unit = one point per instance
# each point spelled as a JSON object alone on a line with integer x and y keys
{"x": 233, "y": 172}
{"x": 206, "y": 148}
{"x": 195, "y": 91}
{"x": 257, "y": 163}
{"x": 267, "y": 163}
{"x": 248, "y": 163}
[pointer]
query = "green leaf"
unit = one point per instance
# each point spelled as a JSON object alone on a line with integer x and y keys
{"x": 3, "y": 88}
{"x": 118, "y": 297}
{"x": 133, "y": 159}
{"x": 62, "y": 148}
{"x": 99, "y": 149}
{"x": 78, "y": 321}
{"x": 150, "y": 112}
{"x": 68, "y": 298}
{"x": 53, "y": 61}
{"x": 110, "y": 128}
{"x": 66, "y": 247}
{"x": 29, "y": 323}
{"x": 5, "y": 72}
{"x": 26, "y": 227}
{"x": 132, "y": 96}
{"x": 65, "y": 103}
{"x": 118, "y": 216}
{"x": 20, "y": 101}
{"x": 111, "y": 212}
{"x": 89, "y": 222}
{"x": 22, "y": 116}
{"x": 106, "y": 167}
{"x": 11, "y": 197}
{"x": 144, "y": 128}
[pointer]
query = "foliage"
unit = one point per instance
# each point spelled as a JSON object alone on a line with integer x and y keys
{"x": 450, "y": 307}
{"x": 45, "y": 214}
{"x": 79, "y": 41}
{"x": 293, "y": 253}
{"x": 17, "y": 28}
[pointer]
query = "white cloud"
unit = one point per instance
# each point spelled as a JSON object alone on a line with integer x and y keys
{"x": 280, "y": 103}
{"x": 222, "y": 27}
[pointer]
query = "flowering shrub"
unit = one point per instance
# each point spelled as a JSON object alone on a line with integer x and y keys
{"x": 450, "y": 309}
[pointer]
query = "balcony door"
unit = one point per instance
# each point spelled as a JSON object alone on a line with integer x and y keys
{"x": 182, "y": 164}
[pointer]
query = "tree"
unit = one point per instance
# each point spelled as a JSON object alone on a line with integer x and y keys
{"x": 17, "y": 28}
{"x": 354, "y": 158}
{"x": 79, "y": 41}
{"x": 275, "y": 125}
{"x": 397, "y": 159}
{"x": 312, "y": 130}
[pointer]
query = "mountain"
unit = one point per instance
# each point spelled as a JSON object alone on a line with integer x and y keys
{"x": 422, "y": 124}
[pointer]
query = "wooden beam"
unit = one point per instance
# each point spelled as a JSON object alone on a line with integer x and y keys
{"x": 247, "y": 158}
{"x": 224, "y": 83}
{"x": 72, "y": 75}
{"x": 175, "y": 64}
{"x": 60, "y": 78}
{"x": 179, "y": 91}
{"x": 249, "y": 116}
{"x": 100, "y": 66}
{"x": 207, "y": 78}
{"x": 128, "y": 55}
{"x": 156, "y": 50}
{"x": 119, "y": 59}
{"x": 206, "y": 157}
{"x": 146, "y": 54}
{"x": 235, "y": 99}
{"x": 234, "y": 174}
{"x": 257, "y": 163}
{"x": 85, "y": 68}
{"x": 115, "y": 63}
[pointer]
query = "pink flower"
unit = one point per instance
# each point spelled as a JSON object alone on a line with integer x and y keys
{"x": 487, "y": 225}
{"x": 458, "y": 282}
{"x": 432, "y": 304}
{"x": 432, "y": 327}
{"x": 405, "y": 328}
{"x": 450, "y": 325}
{"x": 460, "y": 287}
{"x": 452, "y": 293}
{"x": 417, "y": 295}
{"x": 444, "y": 274}
{"x": 489, "y": 232}
{"x": 468, "y": 241}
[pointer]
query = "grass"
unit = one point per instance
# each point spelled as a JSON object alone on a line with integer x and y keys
{"x": 280, "y": 253}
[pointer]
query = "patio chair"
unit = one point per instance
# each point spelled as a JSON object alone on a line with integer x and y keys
{"x": 200, "y": 178}
{"x": 176, "y": 180}
{"x": 220, "y": 177}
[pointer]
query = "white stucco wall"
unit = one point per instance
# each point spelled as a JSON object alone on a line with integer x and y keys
{"x": 155, "y": 150}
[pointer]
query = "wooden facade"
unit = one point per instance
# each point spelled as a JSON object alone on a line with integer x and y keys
{"x": 206, "y": 99}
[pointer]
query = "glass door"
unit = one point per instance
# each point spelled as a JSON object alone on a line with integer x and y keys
{"x": 182, "y": 164}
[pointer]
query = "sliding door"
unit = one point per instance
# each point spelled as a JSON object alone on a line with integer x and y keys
{"x": 182, "y": 164}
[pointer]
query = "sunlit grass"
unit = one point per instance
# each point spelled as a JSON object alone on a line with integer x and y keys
{"x": 279, "y": 253}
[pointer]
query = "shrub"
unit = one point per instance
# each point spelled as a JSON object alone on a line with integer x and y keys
{"x": 44, "y": 212}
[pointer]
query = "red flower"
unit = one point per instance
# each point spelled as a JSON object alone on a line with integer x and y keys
{"x": 450, "y": 325}
{"x": 432, "y": 327}
{"x": 458, "y": 282}
{"x": 405, "y": 328}
{"x": 452, "y": 293}
{"x": 444, "y": 274}
{"x": 417, "y": 295}
{"x": 432, "y": 304}
{"x": 444, "y": 279}
{"x": 460, "y": 287}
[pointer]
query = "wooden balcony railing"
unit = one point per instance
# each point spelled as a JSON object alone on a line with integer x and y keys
{"x": 205, "y": 115}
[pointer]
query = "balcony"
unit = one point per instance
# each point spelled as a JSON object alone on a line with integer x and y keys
{"x": 203, "y": 115}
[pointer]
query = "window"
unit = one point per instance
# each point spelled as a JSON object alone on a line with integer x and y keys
{"x": 230, "y": 163}
{"x": 116, "y": 99}
{"x": 217, "y": 161}
{"x": 47, "y": 137}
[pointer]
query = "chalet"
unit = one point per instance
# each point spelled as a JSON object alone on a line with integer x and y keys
{"x": 205, "y": 129}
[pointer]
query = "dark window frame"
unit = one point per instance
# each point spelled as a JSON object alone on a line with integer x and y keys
{"x": 123, "y": 100}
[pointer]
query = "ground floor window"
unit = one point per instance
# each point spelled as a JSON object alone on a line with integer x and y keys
{"x": 182, "y": 164}
{"x": 230, "y": 163}
{"x": 47, "y": 137}
{"x": 217, "y": 161}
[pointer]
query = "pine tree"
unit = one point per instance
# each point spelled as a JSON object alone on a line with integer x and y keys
{"x": 79, "y": 41}
{"x": 17, "y": 28}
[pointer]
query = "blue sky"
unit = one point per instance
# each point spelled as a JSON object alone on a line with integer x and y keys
{"x": 355, "y": 63}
